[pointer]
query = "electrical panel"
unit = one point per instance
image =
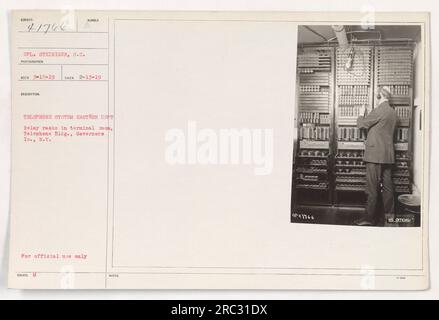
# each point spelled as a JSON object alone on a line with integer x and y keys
{"x": 354, "y": 90}
{"x": 394, "y": 69}
{"x": 315, "y": 87}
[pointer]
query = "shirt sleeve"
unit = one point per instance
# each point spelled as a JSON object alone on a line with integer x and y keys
{"x": 368, "y": 121}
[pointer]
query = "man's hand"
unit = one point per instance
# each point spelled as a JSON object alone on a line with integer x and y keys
{"x": 362, "y": 110}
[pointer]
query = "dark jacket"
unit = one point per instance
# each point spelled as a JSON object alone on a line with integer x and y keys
{"x": 380, "y": 124}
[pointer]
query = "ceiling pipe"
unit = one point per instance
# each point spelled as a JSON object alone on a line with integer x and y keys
{"x": 316, "y": 33}
{"x": 354, "y": 39}
{"x": 340, "y": 33}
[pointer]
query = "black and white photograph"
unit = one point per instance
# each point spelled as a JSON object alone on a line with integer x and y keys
{"x": 357, "y": 130}
{"x": 237, "y": 152}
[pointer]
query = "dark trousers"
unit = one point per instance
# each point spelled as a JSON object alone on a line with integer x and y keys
{"x": 376, "y": 173}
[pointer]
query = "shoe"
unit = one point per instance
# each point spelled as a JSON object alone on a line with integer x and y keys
{"x": 363, "y": 223}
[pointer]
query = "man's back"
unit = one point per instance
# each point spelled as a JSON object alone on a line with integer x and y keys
{"x": 381, "y": 123}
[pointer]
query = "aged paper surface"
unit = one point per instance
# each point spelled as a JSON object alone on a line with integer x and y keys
{"x": 126, "y": 171}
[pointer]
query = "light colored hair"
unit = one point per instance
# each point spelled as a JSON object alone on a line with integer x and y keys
{"x": 385, "y": 92}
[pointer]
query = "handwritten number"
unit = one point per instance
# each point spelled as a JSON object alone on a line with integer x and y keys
{"x": 46, "y": 27}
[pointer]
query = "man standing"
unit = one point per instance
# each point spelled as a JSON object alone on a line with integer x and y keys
{"x": 379, "y": 156}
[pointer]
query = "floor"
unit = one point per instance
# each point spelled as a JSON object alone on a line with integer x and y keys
{"x": 326, "y": 215}
{"x": 334, "y": 215}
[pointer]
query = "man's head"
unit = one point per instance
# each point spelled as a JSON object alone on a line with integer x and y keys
{"x": 383, "y": 93}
